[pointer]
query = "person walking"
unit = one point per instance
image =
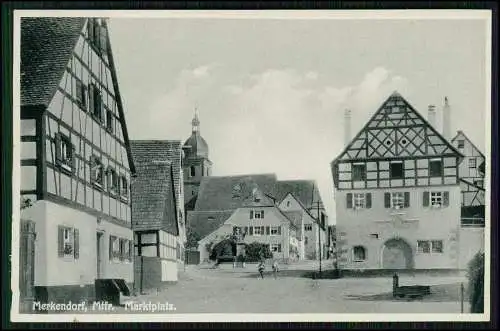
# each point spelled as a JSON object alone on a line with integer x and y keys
{"x": 275, "y": 269}
{"x": 261, "y": 268}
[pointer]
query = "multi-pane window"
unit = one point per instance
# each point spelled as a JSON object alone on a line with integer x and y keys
{"x": 472, "y": 163}
{"x": 460, "y": 143}
{"x": 125, "y": 253}
{"x": 109, "y": 120}
{"x": 275, "y": 248}
{"x": 68, "y": 242}
{"x": 358, "y": 200}
{"x": 64, "y": 152}
{"x": 436, "y": 199}
{"x": 397, "y": 200}
{"x": 259, "y": 214}
{"x": 115, "y": 249}
{"x": 429, "y": 246}
{"x": 97, "y": 35}
{"x": 359, "y": 253}
{"x": 112, "y": 180}
{"x": 435, "y": 168}
{"x": 358, "y": 171}
{"x": 81, "y": 94}
{"x": 96, "y": 171}
{"x": 275, "y": 230}
{"x": 258, "y": 230}
{"x": 96, "y": 102}
{"x": 192, "y": 172}
{"x": 308, "y": 227}
{"x": 124, "y": 187}
{"x": 396, "y": 170}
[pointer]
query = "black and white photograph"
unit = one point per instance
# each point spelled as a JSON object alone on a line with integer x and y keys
{"x": 251, "y": 165}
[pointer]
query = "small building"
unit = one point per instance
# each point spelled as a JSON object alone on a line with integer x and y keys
{"x": 244, "y": 200}
{"x": 155, "y": 225}
{"x": 397, "y": 193}
{"x": 75, "y": 158}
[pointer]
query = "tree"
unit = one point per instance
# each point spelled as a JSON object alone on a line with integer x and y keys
{"x": 192, "y": 239}
{"x": 257, "y": 251}
{"x": 476, "y": 283}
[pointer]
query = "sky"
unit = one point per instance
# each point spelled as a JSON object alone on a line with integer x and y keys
{"x": 271, "y": 93}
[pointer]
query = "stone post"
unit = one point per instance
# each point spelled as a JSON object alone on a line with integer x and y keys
{"x": 395, "y": 284}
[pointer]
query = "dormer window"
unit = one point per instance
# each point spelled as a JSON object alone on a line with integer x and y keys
{"x": 64, "y": 152}
{"x": 460, "y": 144}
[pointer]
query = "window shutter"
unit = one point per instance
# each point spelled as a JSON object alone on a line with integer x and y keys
{"x": 446, "y": 199}
{"x": 104, "y": 44}
{"x": 426, "y": 199}
{"x": 111, "y": 239}
{"x": 73, "y": 157}
{"x": 60, "y": 241}
{"x": 279, "y": 230}
{"x": 262, "y": 230}
{"x": 58, "y": 148}
{"x": 122, "y": 249}
{"x": 251, "y": 230}
{"x": 246, "y": 229}
{"x": 251, "y": 214}
{"x": 368, "y": 198}
{"x": 268, "y": 230}
{"x": 387, "y": 200}
{"x": 76, "y": 247}
{"x": 407, "y": 199}
{"x": 349, "y": 200}
{"x": 261, "y": 214}
{"x": 91, "y": 98}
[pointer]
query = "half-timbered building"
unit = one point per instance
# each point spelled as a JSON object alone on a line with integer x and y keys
{"x": 76, "y": 163}
{"x": 397, "y": 193}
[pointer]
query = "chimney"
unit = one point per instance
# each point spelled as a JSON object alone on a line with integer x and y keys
{"x": 446, "y": 119}
{"x": 431, "y": 116}
{"x": 347, "y": 127}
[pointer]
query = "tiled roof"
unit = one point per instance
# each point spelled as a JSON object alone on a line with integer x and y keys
{"x": 151, "y": 151}
{"x": 459, "y": 134}
{"x": 46, "y": 47}
{"x": 203, "y": 223}
{"x": 232, "y": 192}
{"x": 153, "y": 199}
{"x": 305, "y": 191}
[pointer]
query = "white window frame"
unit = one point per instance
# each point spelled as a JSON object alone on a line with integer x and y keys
{"x": 112, "y": 180}
{"x": 69, "y": 239}
{"x": 402, "y": 170}
{"x": 274, "y": 229}
{"x": 436, "y": 199}
{"x": 127, "y": 257}
{"x": 420, "y": 249}
{"x": 255, "y": 231}
{"x": 397, "y": 200}
{"x": 98, "y": 168}
{"x": 472, "y": 161}
{"x": 275, "y": 246}
{"x": 354, "y": 254}
{"x": 430, "y": 244}
{"x": 66, "y": 152}
{"x": 116, "y": 249}
{"x": 359, "y": 200}
{"x": 257, "y": 214}
{"x": 124, "y": 191}
{"x": 441, "y": 164}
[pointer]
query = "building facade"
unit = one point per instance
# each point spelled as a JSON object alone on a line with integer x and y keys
{"x": 397, "y": 193}
{"x": 75, "y": 158}
{"x": 263, "y": 224}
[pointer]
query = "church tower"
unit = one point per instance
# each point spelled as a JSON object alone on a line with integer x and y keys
{"x": 196, "y": 163}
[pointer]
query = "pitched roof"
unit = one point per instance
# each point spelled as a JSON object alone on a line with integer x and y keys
{"x": 150, "y": 151}
{"x": 47, "y": 44}
{"x": 202, "y": 223}
{"x": 46, "y": 47}
{"x": 396, "y": 130}
{"x": 294, "y": 216}
{"x": 152, "y": 193}
{"x": 305, "y": 191}
{"x": 232, "y": 192}
{"x": 459, "y": 134}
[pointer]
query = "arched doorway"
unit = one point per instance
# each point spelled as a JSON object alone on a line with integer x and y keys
{"x": 397, "y": 254}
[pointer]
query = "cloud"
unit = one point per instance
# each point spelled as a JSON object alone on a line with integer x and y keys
{"x": 275, "y": 121}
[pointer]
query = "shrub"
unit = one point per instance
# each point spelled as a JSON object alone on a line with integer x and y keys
{"x": 257, "y": 251}
{"x": 475, "y": 274}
